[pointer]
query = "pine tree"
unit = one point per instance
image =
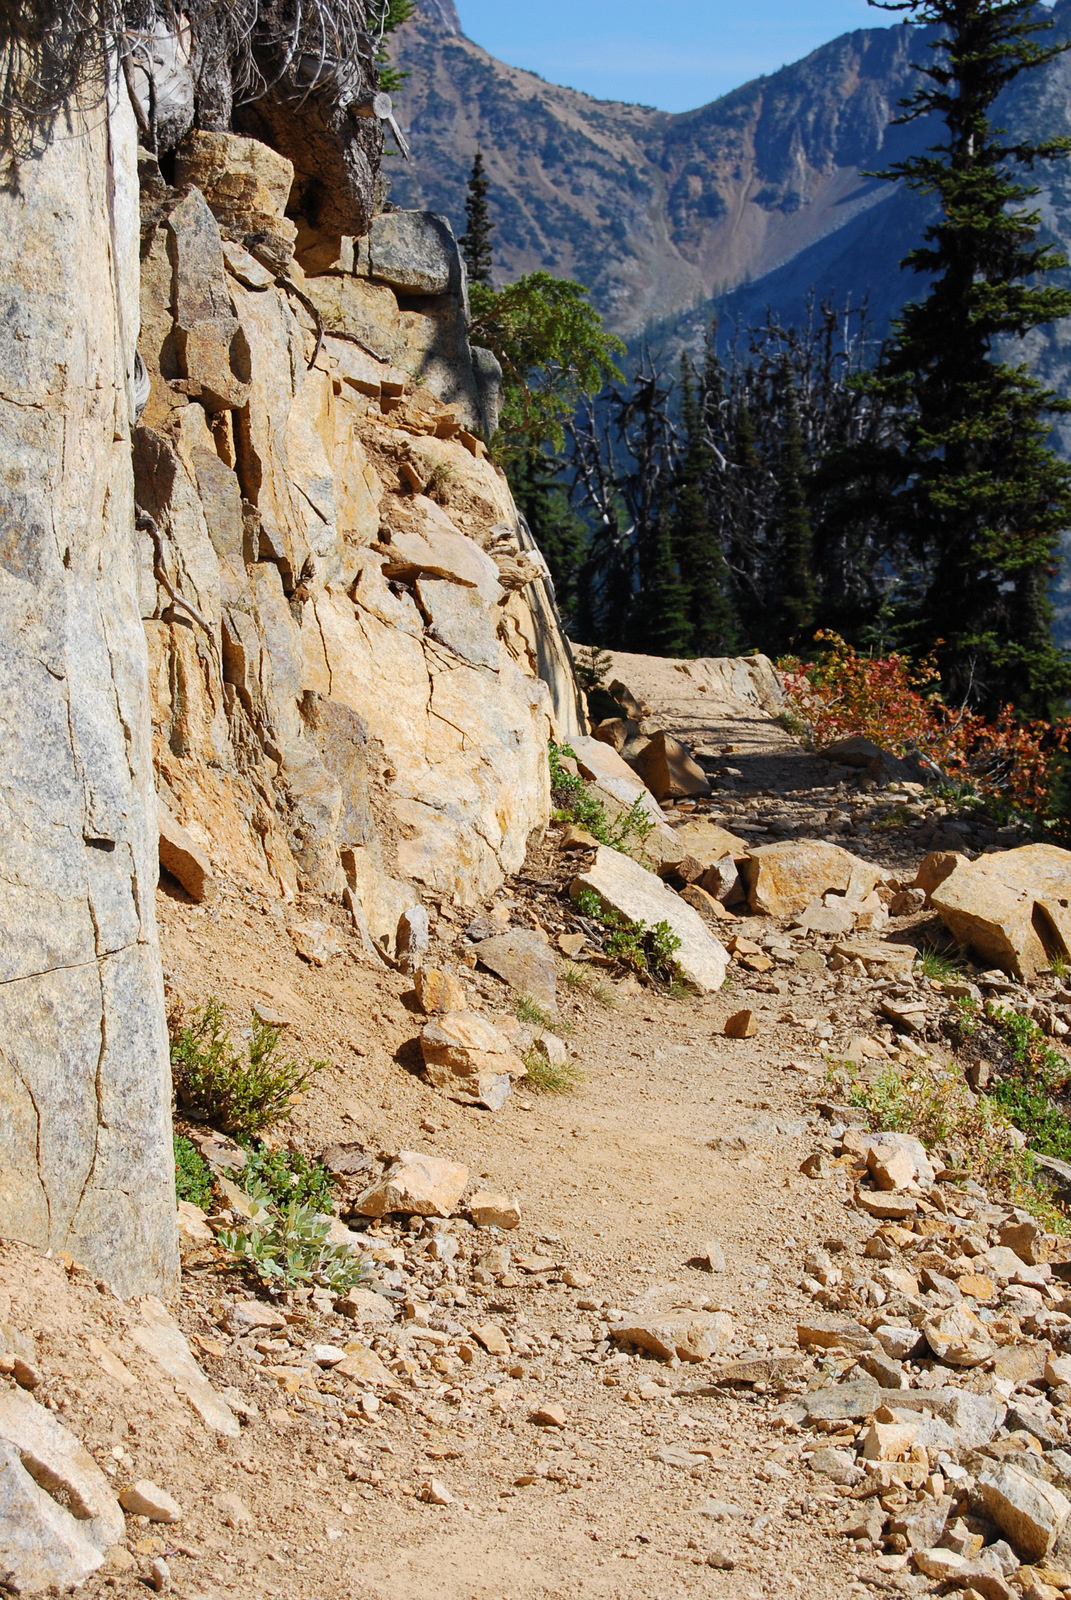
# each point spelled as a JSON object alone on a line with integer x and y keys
{"x": 982, "y": 494}
{"x": 702, "y": 565}
{"x": 794, "y": 543}
{"x": 475, "y": 242}
{"x": 661, "y": 626}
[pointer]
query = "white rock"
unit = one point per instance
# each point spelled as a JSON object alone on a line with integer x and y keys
{"x": 1030, "y": 1512}
{"x": 42, "y": 1546}
{"x": 147, "y": 1499}
{"x": 53, "y": 1456}
{"x": 160, "y": 1336}
{"x": 631, "y": 890}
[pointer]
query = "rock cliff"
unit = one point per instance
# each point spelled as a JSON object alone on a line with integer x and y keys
{"x": 358, "y": 691}
{"x": 85, "y": 1136}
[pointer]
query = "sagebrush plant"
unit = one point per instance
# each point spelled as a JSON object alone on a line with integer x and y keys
{"x": 241, "y": 1089}
{"x": 288, "y": 1246}
{"x": 574, "y": 804}
{"x": 934, "y": 1104}
{"x": 1016, "y": 766}
{"x": 193, "y": 1176}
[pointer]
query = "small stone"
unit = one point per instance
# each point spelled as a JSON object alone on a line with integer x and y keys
{"x": 575, "y": 838}
{"x": 147, "y": 1499}
{"x": 492, "y": 1209}
{"x": 741, "y": 1025}
{"x": 315, "y": 942}
{"x": 890, "y": 1374}
{"x": 833, "y": 1333}
{"x": 548, "y": 1416}
{"x": 890, "y": 1169}
{"x": 721, "y": 1560}
{"x": 435, "y": 1493}
{"x": 958, "y": 1337}
{"x": 245, "y": 1316}
{"x": 438, "y": 992}
{"x": 889, "y": 1441}
{"x": 1029, "y": 1511}
{"x": 1058, "y": 1371}
{"x": 571, "y": 944}
{"x": 492, "y": 1338}
{"x": 160, "y": 1575}
{"x": 364, "y": 1305}
{"x": 907, "y": 903}
{"x": 836, "y": 1465}
{"x": 363, "y": 1366}
{"x": 879, "y": 1203}
{"x": 690, "y": 1336}
{"x": 577, "y": 1280}
{"x": 712, "y": 1257}
{"x": 416, "y": 1184}
{"x": 327, "y": 1355}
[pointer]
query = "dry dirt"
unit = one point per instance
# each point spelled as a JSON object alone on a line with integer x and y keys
{"x": 618, "y": 1181}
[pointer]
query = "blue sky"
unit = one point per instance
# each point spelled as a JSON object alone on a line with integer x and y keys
{"x": 670, "y": 53}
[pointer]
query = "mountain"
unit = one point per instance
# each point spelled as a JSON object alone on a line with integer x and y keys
{"x": 655, "y": 212}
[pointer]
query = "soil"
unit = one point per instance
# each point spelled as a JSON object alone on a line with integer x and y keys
{"x": 674, "y": 1136}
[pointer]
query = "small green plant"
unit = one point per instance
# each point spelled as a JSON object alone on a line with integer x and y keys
{"x": 287, "y": 1175}
{"x": 1034, "y": 1060}
{"x": 580, "y": 978}
{"x": 898, "y": 817}
{"x": 438, "y": 484}
{"x": 288, "y": 1246}
{"x": 525, "y": 1009}
{"x": 574, "y": 804}
{"x": 943, "y": 968}
{"x": 544, "y": 1076}
{"x": 193, "y": 1176}
{"x": 239, "y": 1091}
{"x": 644, "y": 949}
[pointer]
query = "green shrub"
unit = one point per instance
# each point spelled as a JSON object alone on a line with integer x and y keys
{"x": 193, "y": 1176}
{"x": 288, "y": 1245}
{"x": 644, "y": 949}
{"x": 287, "y": 1175}
{"x": 240, "y": 1091}
{"x": 574, "y": 804}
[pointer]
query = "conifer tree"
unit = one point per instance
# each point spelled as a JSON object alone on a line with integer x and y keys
{"x": 793, "y": 548}
{"x": 475, "y": 242}
{"x": 982, "y": 494}
{"x": 702, "y": 565}
{"x": 660, "y": 625}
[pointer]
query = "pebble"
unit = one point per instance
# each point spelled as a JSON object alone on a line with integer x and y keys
{"x": 146, "y": 1499}
{"x": 548, "y": 1416}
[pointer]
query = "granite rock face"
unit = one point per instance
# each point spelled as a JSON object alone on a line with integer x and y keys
{"x": 85, "y": 1136}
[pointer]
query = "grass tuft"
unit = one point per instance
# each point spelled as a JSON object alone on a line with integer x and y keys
{"x": 545, "y": 1077}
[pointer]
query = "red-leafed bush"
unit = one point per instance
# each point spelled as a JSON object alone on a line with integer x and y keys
{"x": 897, "y": 703}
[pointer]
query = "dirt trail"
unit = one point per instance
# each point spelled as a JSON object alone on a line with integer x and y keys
{"x": 674, "y": 1137}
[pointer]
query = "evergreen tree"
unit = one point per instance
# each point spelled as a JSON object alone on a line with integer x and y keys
{"x": 475, "y": 242}
{"x": 705, "y": 576}
{"x": 982, "y": 494}
{"x": 793, "y": 548}
{"x": 661, "y": 625}
{"x": 561, "y": 535}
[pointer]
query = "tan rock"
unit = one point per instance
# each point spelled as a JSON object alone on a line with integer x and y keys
{"x": 492, "y": 1338}
{"x": 891, "y": 1168}
{"x": 741, "y": 1025}
{"x": 958, "y": 1337}
{"x": 1057, "y": 1371}
{"x": 246, "y": 1315}
{"x": 613, "y": 776}
{"x": 438, "y": 992}
{"x": 461, "y": 1044}
{"x": 233, "y": 1511}
{"x": 423, "y": 1186}
{"x": 880, "y": 957}
{"x": 1031, "y": 1513}
{"x": 161, "y": 1338}
{"x": 833, "y": 1333}
{"x": 883, "y": 1203}
{"x": 784, "y": 878}
{"x": 367, "y": 1307}
{"x": 976, "y": 1285}
{"x": 690, "y": 1336}
{"x": 247, "y": 186}
{"x": 937, "y": 866}
{"x": 146, "y": 1499}
{"x": 522, "y": 957}
{"x": 574, "y": 838}
{"x": 193, "y": 1230}
{"x": 1025, "y": 1238}
{"x": 709, "y": 843}
{"x": 492, "y": 1209}
{"x": 668, "y": 770}
{"x": 997, "y": 905}
{"x": 889, "y": 1441}
{"x": 435, "y": 1493}
{"x": 364, "y": 1366}
{"x": 316, "y": 942}
{"x": 549, "y": 1416}
{"x": 183, "y": 858}
{"x": 642, "y": 897}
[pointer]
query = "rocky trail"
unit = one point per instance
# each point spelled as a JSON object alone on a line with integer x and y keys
{"x": 691, "y": 1329}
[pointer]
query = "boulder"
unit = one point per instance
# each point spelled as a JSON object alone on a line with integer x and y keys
{"x": 710, "y": 844}
{"x": 460, "y": 620}
{"x": 42, "y": 1546}
{"x": 1029, "y": 1511}
{"x": 55, "y": 1459}
{"x": 690, "y": 1336}
{"x": 668, "y": 770}
{"x": 958, "y": 1337}
{"x": 438, "y": 992}
{"x": 461, "y": 1044}
{"x": 602, "y": 766}
{"x": 422, "y": 1186}
{"x": 183, "y": 857}
{"x": 1011, "y": 909}
{"x": 639, "y": 895}
{"x": 936, "y": 867}
{"x": 416, "y": 252}
{"x": 247, "y": 185}
{"x": 783, "y": 879}
{"x": 522, "y": 958}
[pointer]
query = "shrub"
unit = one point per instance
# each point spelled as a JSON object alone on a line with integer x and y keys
{"x": 287, "y": 1175}
{"x": 1017, "y": 766}
{"x": 574, "y": 804}
{"x": 240, "y": 1091}
{"x": 287, "y": 1245}
{"x": 644, "y": 949}
{"x": 193, "y": 1176}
